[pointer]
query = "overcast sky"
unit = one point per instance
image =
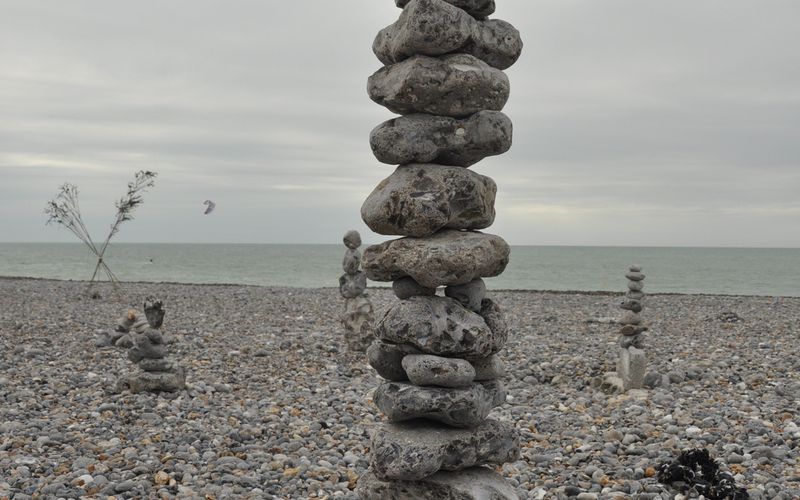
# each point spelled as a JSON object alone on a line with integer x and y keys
{"x": 635, "y": 123}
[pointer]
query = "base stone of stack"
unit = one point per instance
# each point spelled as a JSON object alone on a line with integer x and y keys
{"x": 476, "y": 483}
{"x": 357, "y": 321}
{"x": 170, "y": 381}
{"x": 462, "y": 407}
{"x": 387, "y": 359}
{"x": 632, "y": 368}
{"x": 419, "y": 448}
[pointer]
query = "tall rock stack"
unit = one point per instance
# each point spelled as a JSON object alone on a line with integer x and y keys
{"x": 358, "y": 315}
{"x": 632, "y": 363}
{"x": 443, "y": 74}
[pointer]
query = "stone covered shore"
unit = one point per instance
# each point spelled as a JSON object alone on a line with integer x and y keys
{"x": 275, "y": 404}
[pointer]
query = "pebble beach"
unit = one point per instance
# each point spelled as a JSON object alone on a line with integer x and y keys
{"x": 275, "y": 405}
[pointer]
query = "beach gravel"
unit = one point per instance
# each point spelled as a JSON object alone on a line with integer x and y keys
{"x": 276, "y": 407}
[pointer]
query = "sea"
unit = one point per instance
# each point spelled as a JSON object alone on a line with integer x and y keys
{"x": 726, "y": 271}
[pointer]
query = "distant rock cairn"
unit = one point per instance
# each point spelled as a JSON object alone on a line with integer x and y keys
{"x": 358, "y": 317}
{"x": 443, "y": 74}
{"x": 146, "y": 348}
{"x": 632, "y": 363}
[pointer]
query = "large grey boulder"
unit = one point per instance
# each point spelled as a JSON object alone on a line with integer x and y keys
{"x": 427, "y": 369}
{"x": 420, "y": 448}
{"x": 456, "y": 85}
{"x": 449, "y": 257}
{"x": 434, "y": 28}
{"x": 387, "y": 359}
{"x": 475, "y": 483}
{"x": 437, "y": 325}
{"x": 421, "y": 138}
{"x": 478, "y": 9}
{"x": 419, "y": 200}
{"x": 461, "y": 407}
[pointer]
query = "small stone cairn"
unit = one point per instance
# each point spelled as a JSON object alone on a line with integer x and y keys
{"x": 358, "y": 316}
{"x": 632, "y": 363}
{"x": 145, "y": 344}
{"x": 443, "y": 74}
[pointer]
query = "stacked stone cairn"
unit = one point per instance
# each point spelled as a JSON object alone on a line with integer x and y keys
{"x": 443, "y": 74}
{"x": 146, "y": 347}
{"x": 358, "y": 317}
{"x": 632, "y": 363}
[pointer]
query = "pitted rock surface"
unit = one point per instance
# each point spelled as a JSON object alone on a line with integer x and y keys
{"x": 449, "y": 257}
{"x": 427, "y": 369}
{"x": 434, "y": 27}
{"x": 419, "y": 200}
{"x": 475, "y": 483}
{"x": 437, "y": 325}
{"x": 462, "y": 407}
{"x": 456, "y": 85}
{"x": 420, "y": 138}
{"x": 352, "y": 239}
{"x": 476, "y": 8}
{"x": 157, "y": 381}
{"x": 352, "y": 285}
{"x": 420, "y": 448}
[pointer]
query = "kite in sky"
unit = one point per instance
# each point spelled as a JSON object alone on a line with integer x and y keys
{"x": 210, "y": 207}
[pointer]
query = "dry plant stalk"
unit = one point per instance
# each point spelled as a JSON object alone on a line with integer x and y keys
{"x": 65, "y": 210}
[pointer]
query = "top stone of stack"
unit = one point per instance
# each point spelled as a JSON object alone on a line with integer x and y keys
{"x": 478, "y": 9}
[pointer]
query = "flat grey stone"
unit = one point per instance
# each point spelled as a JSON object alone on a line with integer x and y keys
{"x": 635, "y": 294}
{"x": 124, "y": 342}
{"x": 351, "y": 261}
{"x": 631, "y": 305}
{"x": 434, "y": 28}
{"x": 630, "y": 318}
{"x": 635, "y": 269}
{"x": 153, "y": 381}
{"x": 422, "y": 138}
{"x": 427, "y": 369}
{"x": 352, "y": 285}
{"x": 632, "y": 367}
{"x": 475, "y": 483}
{"x": 634, "y": 276}
{"x": 470, "y": 295}
{"x": 456, "y": 85}
{"x": 476, "y": 8}
{"x": 419, "y": 200}
{"x": 157, "y": 365}
{"x": 352, "y": 239}
{"x": 146, "y": 346}
{"x": 460, "y": 407}
{"x": 489, "y": 368}
{"x": 387, "y": 359}
{"x": 436, "y": 325}
{"x": 631, "y": 330}
{"x": 420, "y": 448}
{"x": 635, "y": 286}
{"x": 405, "y": 288}
{"x": 449, "y": 257}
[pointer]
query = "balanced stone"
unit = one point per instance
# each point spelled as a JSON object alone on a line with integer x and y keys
{"x": 419, "y": 200}
{"x": 156, "y": 365}
{"x": 449, "y": 257}
{"x": 387, "y": 359}
{"x": 434, "y": 27}
{"x": 352, "y": 239}
{"x": 419, "y": 448}
{"x": 476, "y": 8}
{"x": 636, "y": 286}
{"x": 427, "y": 369}
{"x": 630, "y": 318}
{"x": 437, "y": 325}
{"x": 489, "y": 368}
{"x": 496, "y": 321}
{"x": 146, "y": 345}
{"x": 631, "y": 367}
{"x": 631, "y": 305}
{"x": 352, "y": 285}
{"x": 470, "y": 295}
{"x": 461, "y": 407}
{"x": 634, "y": 276}
{"x": 351, "y": 261}
{"x": 156, "y": 381}
{"x": 357, "y": 319}
{"x": 635, "y": 294}
{"x": 456, "y": 85}
{"x": 405, "y": 288}
{"x": 475, "y": 483}
{"x": 443, "y": 140}
{"x": 629, "y": 330}
{"x": 154, "y": 312}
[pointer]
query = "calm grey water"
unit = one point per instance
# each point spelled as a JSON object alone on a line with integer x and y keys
{"x": 735, "y": 271}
